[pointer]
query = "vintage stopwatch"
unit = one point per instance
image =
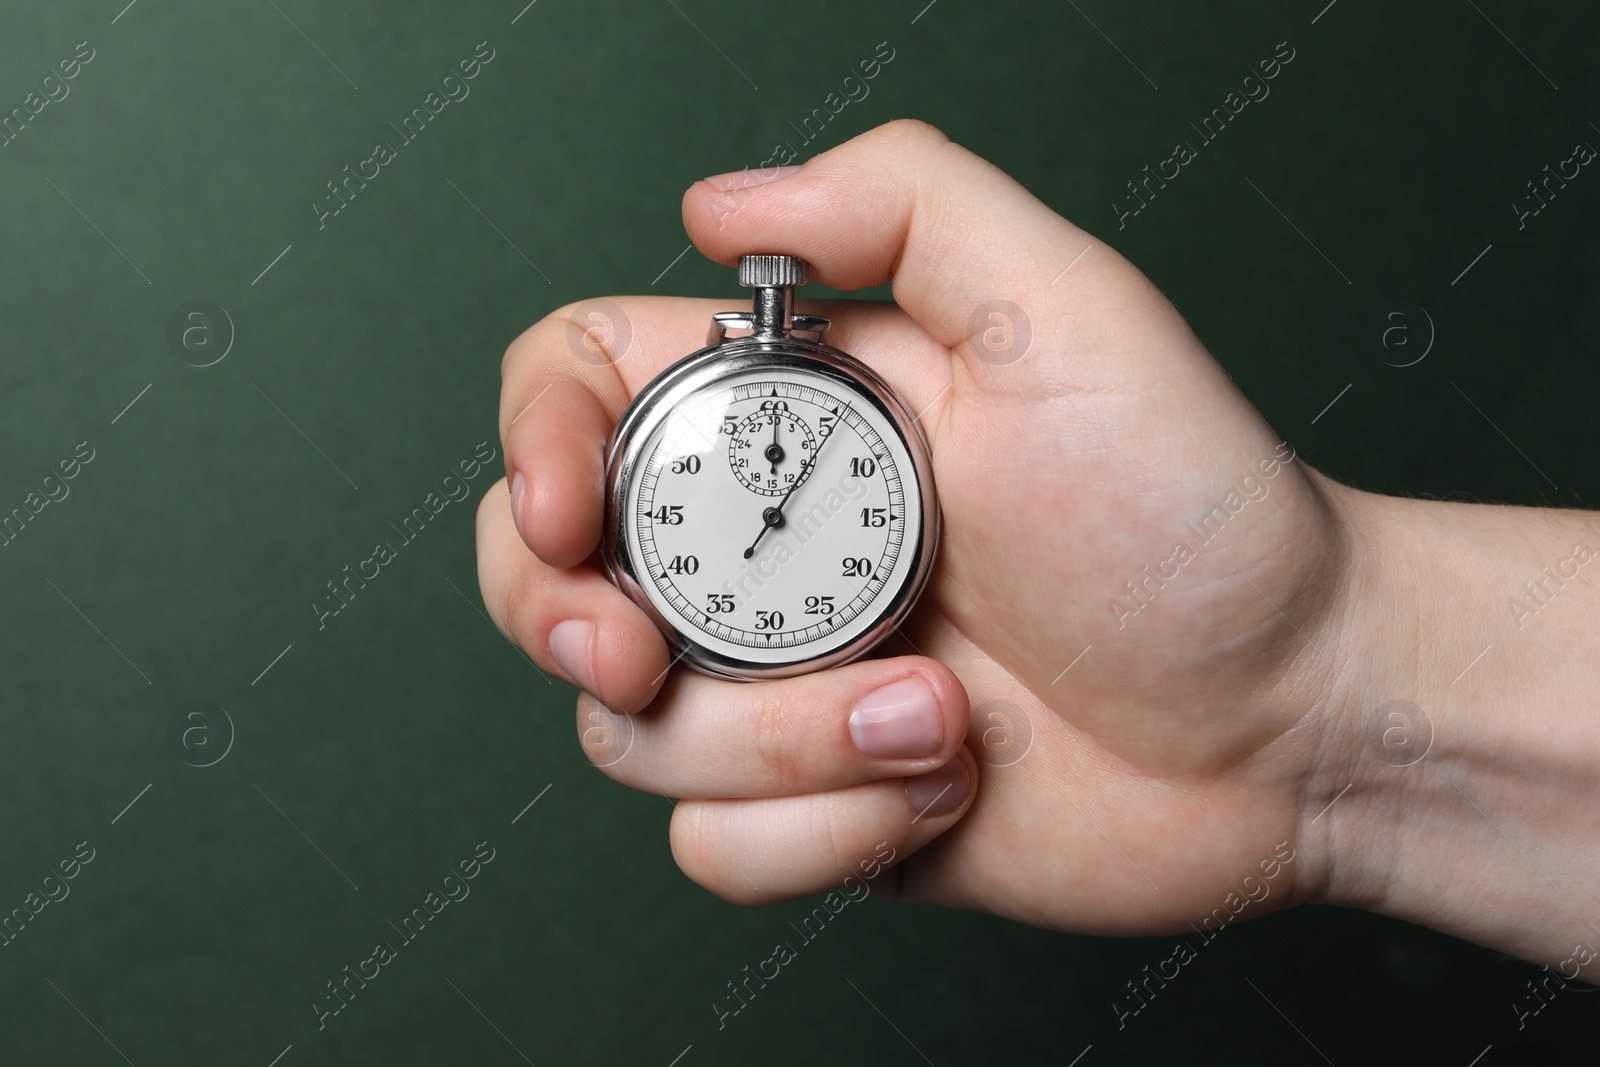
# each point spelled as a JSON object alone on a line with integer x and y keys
{"x": 769, "y": 500}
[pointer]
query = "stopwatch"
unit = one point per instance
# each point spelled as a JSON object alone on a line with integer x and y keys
{"x": 769, "y": 499}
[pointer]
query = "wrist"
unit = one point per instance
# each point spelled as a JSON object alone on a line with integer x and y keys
{"x": 1462, "y": 746}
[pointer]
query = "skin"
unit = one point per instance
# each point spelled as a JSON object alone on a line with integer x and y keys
{"x": 1204, "y": 727}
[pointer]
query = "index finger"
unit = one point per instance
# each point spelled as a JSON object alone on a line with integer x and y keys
{"x": 564, "y": 383}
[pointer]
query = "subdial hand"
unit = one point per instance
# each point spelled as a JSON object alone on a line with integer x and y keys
{"x": 774, "y": 451}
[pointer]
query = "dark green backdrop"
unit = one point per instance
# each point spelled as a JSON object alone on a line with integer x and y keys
{"x": 144, "y": 607}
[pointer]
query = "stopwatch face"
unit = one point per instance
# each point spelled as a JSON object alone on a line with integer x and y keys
{"x": 773, "y": 511}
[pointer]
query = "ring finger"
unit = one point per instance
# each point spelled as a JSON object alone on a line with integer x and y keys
{"x": 756, "y": 852}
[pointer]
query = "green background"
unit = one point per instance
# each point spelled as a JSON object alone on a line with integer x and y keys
{"x": 189, "y": 551}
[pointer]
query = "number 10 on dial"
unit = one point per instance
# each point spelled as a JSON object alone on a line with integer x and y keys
{"x": 770, "y": 501}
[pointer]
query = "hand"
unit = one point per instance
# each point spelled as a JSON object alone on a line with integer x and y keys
{"x": 1137, "y": 574}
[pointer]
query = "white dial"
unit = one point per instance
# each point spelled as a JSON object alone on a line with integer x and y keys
{"x": 774, "y": 514}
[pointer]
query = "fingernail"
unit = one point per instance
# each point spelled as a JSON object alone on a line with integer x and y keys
{"x": 518, "y": 486}
{"x": 899, "y": 721}
{"x": 748, "y": 179}
{"x": 572, "y": 647}
{"x": 939, "y": 792}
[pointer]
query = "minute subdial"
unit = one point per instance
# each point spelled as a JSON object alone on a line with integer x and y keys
{"x": 769, "y": 450}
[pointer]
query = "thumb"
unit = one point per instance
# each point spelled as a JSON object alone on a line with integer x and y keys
{"x": 975, "y": 259}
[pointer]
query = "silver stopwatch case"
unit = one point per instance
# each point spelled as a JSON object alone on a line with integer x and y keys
{"x": 779, "y": 340}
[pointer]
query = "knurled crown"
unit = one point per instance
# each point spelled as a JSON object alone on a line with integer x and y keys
{"x": 770, "y": 271}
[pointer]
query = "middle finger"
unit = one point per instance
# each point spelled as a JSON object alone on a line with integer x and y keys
{"x": 704, "y": 738}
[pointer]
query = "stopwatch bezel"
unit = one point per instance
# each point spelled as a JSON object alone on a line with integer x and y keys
{"x": 625, "y": 454}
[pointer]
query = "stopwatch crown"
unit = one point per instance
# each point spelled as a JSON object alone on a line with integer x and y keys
{"x": 768, "y": 271}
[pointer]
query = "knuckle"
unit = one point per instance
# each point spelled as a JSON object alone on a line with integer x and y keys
{"x": 915, "y": 134}
{"x": 521, "y": 614}
{"x": 568, "y": 331}
{"x": 536, "y": 339}
{"x": 776, "y": 731}
{"x": 570, "y": 345}
{"x": 850, "y": 844}
{"x": 514, "y": 353}
{"x": 525, "y": 344}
